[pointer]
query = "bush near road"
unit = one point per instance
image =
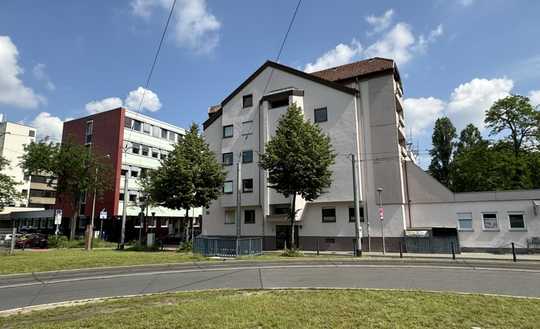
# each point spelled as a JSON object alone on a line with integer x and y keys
{"x": 291, "y": 309}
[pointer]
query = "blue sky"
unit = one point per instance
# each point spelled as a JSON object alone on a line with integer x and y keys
{"x": 65, "y": 59}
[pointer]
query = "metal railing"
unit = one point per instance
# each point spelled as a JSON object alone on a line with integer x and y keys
{"x": 226, "y": 247}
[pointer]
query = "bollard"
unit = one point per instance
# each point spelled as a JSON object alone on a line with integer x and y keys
{"x": 453, "y": 251}
{"x": 400, "y": 249}
{"x": 514, "y": 253}
{"x": 318, "y": 247}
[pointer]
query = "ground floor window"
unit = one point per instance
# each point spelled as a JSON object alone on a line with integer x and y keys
{"x": 517, "y": 221}
{"x": 352, "y": 219}
{"x": 328, "y": 215}
{"x": 230, "y": 216}
{"x": 465, "y": 221}
{"x": 489, "y": 222}
{"x": 249, "y": 216}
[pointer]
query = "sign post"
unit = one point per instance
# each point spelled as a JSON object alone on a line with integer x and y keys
{"x": 102, "y": 216}
{"x": 57, "y": 220}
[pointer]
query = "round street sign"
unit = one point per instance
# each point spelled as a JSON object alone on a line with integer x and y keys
{"x": 381, "y": 213}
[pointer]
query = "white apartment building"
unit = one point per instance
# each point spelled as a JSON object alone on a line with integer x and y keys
{"x": 359, "y": 105}
{"x": 13, "y": 138}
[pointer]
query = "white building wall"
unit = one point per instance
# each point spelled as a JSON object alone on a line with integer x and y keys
{"x": 13, "y": 138}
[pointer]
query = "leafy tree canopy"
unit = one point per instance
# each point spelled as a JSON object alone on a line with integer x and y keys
{"x": 443, "y": 136}
{"x": 8, "y": 192}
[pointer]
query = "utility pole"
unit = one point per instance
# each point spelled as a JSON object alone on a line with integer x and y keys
{"x": 13, "y": 238}
{"x": 381, "y": 218}
{"x": 91, "y": 237}
{"x": 356, "y": 209}
{"x": 238, "y": 203}
{"x": 124, "y": 209}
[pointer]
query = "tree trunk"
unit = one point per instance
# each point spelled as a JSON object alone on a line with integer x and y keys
{"x": 186, "y": 227}
{"x": 293, "y": 217}
{"x": 73, "y": 221}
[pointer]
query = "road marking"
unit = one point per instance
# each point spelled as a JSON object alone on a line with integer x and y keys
{"x": 114, "y": 276}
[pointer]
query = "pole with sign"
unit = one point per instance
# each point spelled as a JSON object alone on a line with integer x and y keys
{"x": 57, "y": 220}
{"x": 102, "y": 216}
{"x": 381, "y": 217}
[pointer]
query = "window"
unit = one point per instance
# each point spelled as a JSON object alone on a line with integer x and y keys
{"x": 247, "y": 128}
{"x": 155, "y": 153}
{"x": 144, "y": 172}
{"x": 281, "y": 210}
{"x": 156, "y": 131}
{"x": 137, "y": 125}
{"x": 123, "y": 172}
{"x": 517, "y": 222}
{"x": 247, "y": 185}
{"x": 172, "y": 136}
{"x": 133, "y": 197}
{"x": 164, "y": 133}
{"x": 321, "y": 115}
{"x": 465, "y": 221}
{"x": 228, "y": 131}
{"x": 163, "y": 156}
{"x": 351, "y": 215}
{"x": 330, "y": 240}
{"x": 135, "y": 148}
{"x": 145, "y": 150}
{"x": 328, "y": 215}
{"x": 134, "y": 174}
{"x": 128, "y": 122}
{"x": 228, "y": 187}
{"x": 279, "y": 102}
{"x": 88, "y": 132}
{"x": 32, "y": 133}
{"x": 249, "y": 216}
{"x": 489, "y": 222}
{"x": 247, "y": 101}
{"x": 147, "y": 128}
{"x": 230, "y": 217}
{"x": 121, "y": 197}
{"x": 228, "y": 159}
{"x": 247, "y": 156}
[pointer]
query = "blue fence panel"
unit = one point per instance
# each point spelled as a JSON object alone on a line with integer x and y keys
{"x": 226, "y": 247}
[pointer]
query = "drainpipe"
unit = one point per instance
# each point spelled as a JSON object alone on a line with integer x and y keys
{"x": 362, "y": 176}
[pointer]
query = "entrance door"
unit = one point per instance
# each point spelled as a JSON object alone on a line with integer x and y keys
{"x": 283, "y": 234}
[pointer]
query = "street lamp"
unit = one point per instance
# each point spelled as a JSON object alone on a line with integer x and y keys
{"x": 381, "y": 217}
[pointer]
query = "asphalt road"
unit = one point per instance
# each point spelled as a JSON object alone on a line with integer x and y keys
{"x": 27, "y": 290}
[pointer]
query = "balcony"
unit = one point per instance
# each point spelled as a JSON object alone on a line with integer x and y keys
{"x": 399, "y": 104}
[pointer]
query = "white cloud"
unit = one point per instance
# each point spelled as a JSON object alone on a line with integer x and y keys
{"x": 150, "y": 101}
{"x": 423, "y": 41}
{"x": 41, "y": 75}
{"x": 421, "y": 113}
{"x": 340, "y": 55}
{"x": 534, "y": 96}
{"x": 48, "y": 126}
{"x": 469, "y": 101}
{"x": 194, "y": 26}
{"x": 103, "y": 105}
{"x": 396, "y": 44}
{"x": 380, "y": 23}
{"x": 12, "y": 90}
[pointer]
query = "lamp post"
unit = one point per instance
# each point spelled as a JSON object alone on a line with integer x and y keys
{"x": 356, "y": 209}
{"x": 381, "y": 217}
{"x": 91, "y": 237}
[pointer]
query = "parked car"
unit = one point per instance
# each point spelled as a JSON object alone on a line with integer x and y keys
{"x": 35, "y": 240}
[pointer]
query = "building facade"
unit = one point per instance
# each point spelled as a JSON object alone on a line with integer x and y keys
{"x": 133, "y": 144}
{"x": 359, "y": 105}
{"x": 13, "y": 138}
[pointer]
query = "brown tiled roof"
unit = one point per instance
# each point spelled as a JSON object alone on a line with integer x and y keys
{"x": 352, "y": 70}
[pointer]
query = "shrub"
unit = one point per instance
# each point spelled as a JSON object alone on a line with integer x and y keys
{"x": 141, "y": 247}
{"x": 185, "y": 246}
{"x": 292, "y": 253}
{"x": 58, "y": 241}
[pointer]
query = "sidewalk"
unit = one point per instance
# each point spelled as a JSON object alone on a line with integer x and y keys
{"x": 462, "y": 256}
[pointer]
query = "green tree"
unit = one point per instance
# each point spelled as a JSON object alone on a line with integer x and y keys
{"x": 298, "y": 160}
{"x": 516, "y": 115}
{"x": 8, "y": 192}
{"x": 469, "y": 137}
{"x": 74, "y": 171}
{"x": 190, "y": 176}
{"x": 443, "y": 136}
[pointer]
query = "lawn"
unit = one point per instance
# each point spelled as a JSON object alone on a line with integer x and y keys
{"x": 291, "y": 309}
{"x": 62, "y": 259}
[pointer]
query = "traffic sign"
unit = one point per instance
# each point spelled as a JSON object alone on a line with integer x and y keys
{"x": 58, "y": 217}
{"x": 381, "y": 213}
{"x": 103, "y": 214}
